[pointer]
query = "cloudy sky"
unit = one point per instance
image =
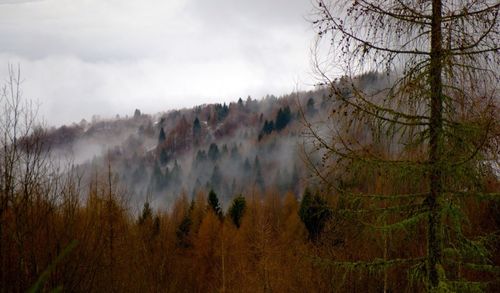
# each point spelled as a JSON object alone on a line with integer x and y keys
{"x": 108, "y": 57}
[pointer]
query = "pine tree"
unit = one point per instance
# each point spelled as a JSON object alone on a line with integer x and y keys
{"x": 213, "y": 152}
{"x": 283, "y": 118}
{"x": 237, "y": 209}
{"x": 147, "y": 214}
{"x": 225, "y": 150}
{"x": 200, "y": 159}
{"x": 213, "y": 203}
{"x": 161, "y": 137}
{"x": 311, "y": 110}
{"x": 196, "y": 131}
{"x": 235, "y": 155}
{"x": 314, "y": 213}
{"x": 428, "y": 129}
{"x": 183, "y": 231}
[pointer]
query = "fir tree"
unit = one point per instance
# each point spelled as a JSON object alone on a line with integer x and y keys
{"x": 225, "y": 150}
{"x": 196, "y": 131}
{"x": 201, "y": 157}
{"x": 314, "y": 213}
{"x": 213, "y": 203}
{"x": 283, "y": 118}
{"x": 266, "y": 129}
{"x": 311, "y": 110}
{"x": 235, "y": 155}
{"x": 162, "y": 137}
{"x": 213, "y": 152}
{"x": 237, "y": 209}
{"x": 183, "y": 231}
{"x": 146, "y": 214}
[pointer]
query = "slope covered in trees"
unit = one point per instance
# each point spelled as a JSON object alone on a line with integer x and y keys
{"x": 205, "y": 206}
{"x": 218, "y": 198}
{"x": 241, "y": 147}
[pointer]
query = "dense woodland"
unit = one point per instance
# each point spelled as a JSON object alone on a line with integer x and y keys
{"x": 260, "y": 244}
{"x": 242, "y": 146}
{"x": 384, "y": 180}
{"x": 77, "y": 226}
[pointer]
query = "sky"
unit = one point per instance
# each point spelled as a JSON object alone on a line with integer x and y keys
{"x": 81, "y": 58}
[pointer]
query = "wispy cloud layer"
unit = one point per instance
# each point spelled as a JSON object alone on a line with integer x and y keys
{"x": 108, "y": 57}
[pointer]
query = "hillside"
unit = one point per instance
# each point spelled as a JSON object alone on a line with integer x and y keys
{"x": 244, "y": 147}
{"x": 187, "y": 200}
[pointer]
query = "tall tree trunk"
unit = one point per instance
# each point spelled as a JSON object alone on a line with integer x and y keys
{"x": 434, "y": 252}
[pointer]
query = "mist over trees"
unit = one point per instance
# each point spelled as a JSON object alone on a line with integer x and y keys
{"x": 219, "y": 147}
{"x": 187, "y": 203}
{"x": 385, "y": 178}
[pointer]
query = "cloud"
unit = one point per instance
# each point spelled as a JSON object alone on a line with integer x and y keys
{"x": 111, "y": 56}
{"x": 17, "y": 1}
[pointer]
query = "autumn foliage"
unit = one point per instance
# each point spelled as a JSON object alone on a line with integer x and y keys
{"x": 194, "y": 248}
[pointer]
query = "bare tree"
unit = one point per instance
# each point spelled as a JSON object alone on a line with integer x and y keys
{"x": 16, "y": 164}
{"x": 32, "y": 186}
{"x": 432, "y": 126}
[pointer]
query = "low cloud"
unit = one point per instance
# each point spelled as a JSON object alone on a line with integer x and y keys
{"x": 17, "y": 1}
{"x": 107, "y": 57}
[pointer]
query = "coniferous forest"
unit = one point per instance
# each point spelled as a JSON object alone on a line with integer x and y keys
{"x": 384, "y": 178}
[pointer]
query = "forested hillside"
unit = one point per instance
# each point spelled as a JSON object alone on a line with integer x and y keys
{"x": 215, "y": 198}
{"x": 244, "y": 147}
{"x": 385, "y": 178}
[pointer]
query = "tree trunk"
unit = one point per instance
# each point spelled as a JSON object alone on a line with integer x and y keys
{"x": 434, "y": 252}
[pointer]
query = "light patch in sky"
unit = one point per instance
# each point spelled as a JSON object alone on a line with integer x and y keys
{"x": 108, "y": 57}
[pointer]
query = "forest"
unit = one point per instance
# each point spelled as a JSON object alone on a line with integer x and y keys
{"x": 383, "y": 179}
{"x": 82, "y": 227}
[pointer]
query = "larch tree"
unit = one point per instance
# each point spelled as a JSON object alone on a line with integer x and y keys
{"x": 431, "y": 127}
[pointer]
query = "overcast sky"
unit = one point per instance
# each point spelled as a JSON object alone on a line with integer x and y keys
{"x": 108, "y": 57}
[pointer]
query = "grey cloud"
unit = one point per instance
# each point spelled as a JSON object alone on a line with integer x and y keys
{"x": 229, "y": 13}
{"x": 17, "y": 1}
{"x": 112, "y": 56}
